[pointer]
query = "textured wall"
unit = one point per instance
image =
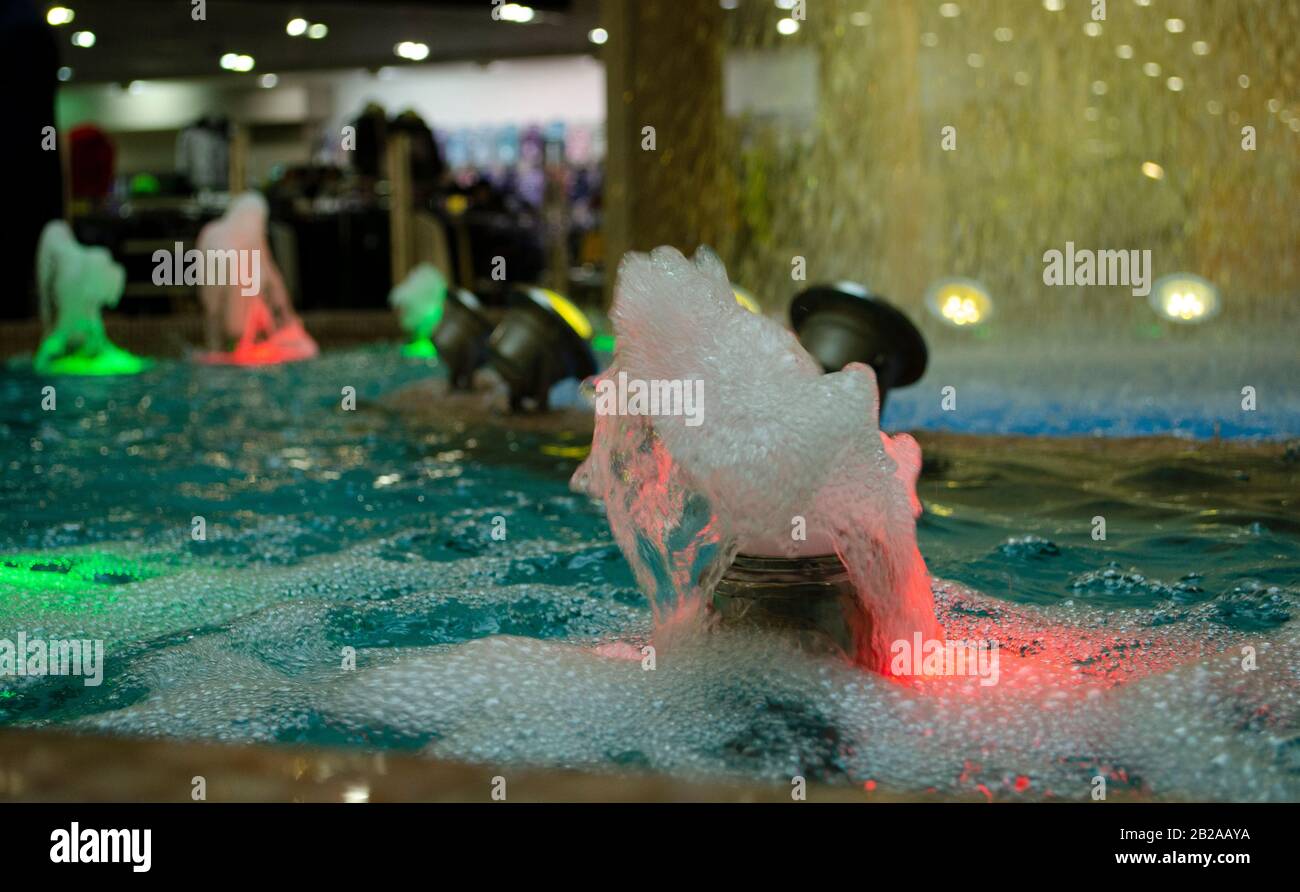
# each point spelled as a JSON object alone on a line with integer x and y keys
{"x": 1053, "y": 126}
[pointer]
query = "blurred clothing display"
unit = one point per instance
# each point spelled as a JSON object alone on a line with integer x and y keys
{"x": 92, "y": 156}
{"x": 203, "y": 154}
{"x": 371, "y": 135}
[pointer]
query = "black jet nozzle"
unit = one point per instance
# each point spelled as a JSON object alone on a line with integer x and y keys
{"x": 461, "y": 337}
{"x": 542, "y": 340}
{"x": 811, "y": 598}
{"x": 842, "y": 323}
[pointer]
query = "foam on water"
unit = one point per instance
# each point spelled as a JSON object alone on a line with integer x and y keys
{"x": 1154, "y": 710}
{"x": 527, "y": 650}
{"x": 779, "y": 445}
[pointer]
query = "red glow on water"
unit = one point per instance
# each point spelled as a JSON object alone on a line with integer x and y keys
{"x": 262, "y": 344}
{"x": 869, "y": 786}
{"x": 1022, "y": 783}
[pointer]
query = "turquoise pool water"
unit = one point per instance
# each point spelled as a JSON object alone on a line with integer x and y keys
{"x": 331, "y": 533}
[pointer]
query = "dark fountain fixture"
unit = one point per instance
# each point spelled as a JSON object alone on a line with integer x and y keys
{"x": 543, "y": 339}
{"x": 844, "y": 322}
{"x": 461, "y": 337}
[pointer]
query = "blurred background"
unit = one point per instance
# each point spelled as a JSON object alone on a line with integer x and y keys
{"x": 905, "y": 144}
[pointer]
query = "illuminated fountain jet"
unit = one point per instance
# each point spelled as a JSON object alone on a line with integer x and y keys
{"x": 76, "y": 283}
{"x": 778, "y": 495}
{"x": 419, "y": 301}
{"x": 249, "y": 319}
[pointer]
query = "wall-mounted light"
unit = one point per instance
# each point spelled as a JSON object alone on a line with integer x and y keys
{"x": 1185, "y": 298}
{"x": 83, "y": 39}
{"x": 598, "y": 36}
{"x": 316, "y": 30}
{"x": 961, "y": 303}
{"x": 786, "y": 27}
{"x": 296, "y": 27}
{"x": 59, "y": 15}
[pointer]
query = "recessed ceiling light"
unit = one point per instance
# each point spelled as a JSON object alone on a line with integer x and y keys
{"x": 517, "y": 13}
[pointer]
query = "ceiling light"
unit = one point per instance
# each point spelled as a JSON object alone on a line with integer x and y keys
{"x": 517, "y": 13}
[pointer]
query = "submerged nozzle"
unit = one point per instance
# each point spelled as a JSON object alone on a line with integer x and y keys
{"x": 461, "y": 337}
{"x": 542, "y": 340}
{"x": 842, "y": 323}
{"x": 810, "y": 598}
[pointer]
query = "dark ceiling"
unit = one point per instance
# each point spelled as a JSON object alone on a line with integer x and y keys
{"x": 144, "y": 39}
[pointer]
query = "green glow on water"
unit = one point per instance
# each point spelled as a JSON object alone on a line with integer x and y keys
{"x": 71, "y": 581}
{"x": 603, "y": 343}
{"x": 420, "y": 348}
{"x": 110, "y": 360}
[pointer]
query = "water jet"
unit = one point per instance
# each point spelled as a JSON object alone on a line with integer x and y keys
{"x": 249, "y": 329}
{"x": 788, "y": 497}
{"x": 419, "y": 301}
{"x": 76, "y": 283}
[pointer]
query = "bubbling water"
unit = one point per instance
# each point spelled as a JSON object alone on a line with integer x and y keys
{"x": 782, "y": 460}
